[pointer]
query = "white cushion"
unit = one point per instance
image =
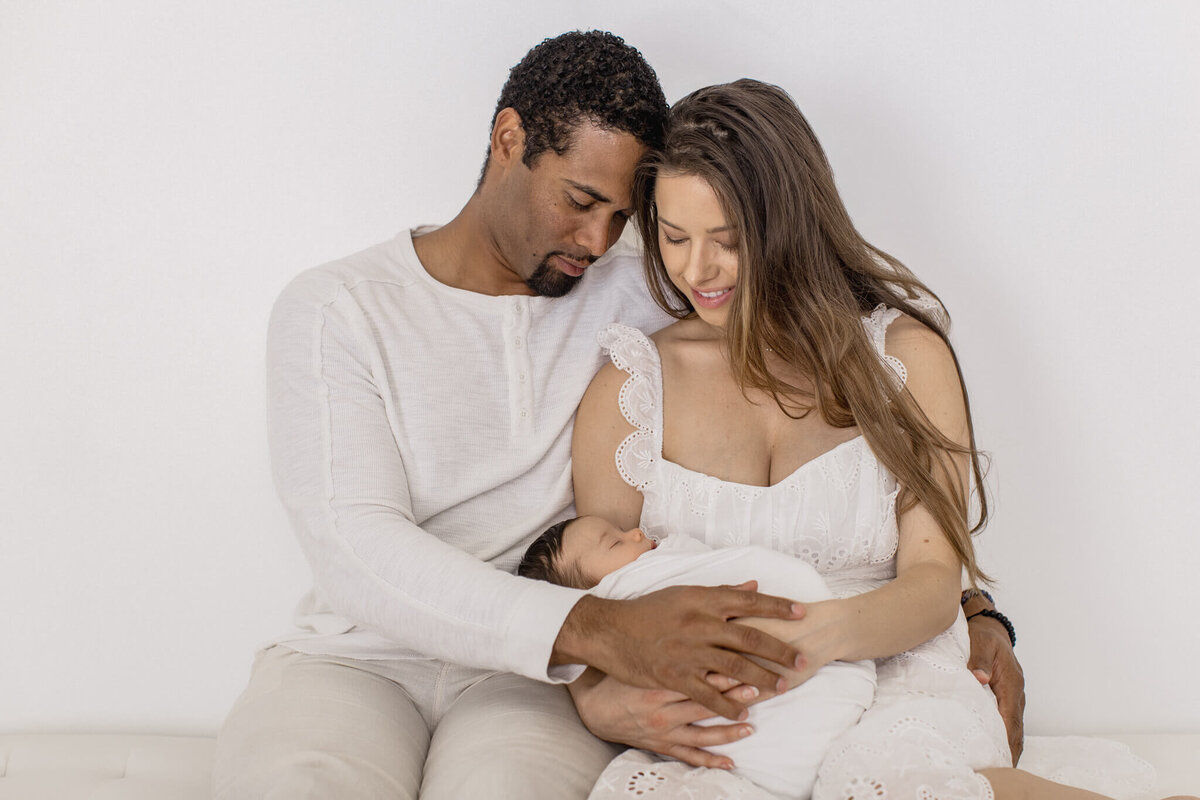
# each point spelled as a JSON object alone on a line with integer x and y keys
{"x": 104, "y": 767}
{"x": 124, "y": 767}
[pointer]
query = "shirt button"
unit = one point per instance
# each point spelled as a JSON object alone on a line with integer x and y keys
{"x": 522, "y": 377}
{"x": 524, "y": 413}
{"x": 517, "y": 341}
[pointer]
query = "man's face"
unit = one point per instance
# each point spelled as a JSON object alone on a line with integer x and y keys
{"x": 553, "y": 220}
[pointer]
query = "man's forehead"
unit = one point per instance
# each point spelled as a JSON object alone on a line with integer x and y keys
{"x": 600, "y": 162}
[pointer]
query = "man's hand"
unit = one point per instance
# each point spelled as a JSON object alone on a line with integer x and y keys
{"x": 994, "y": 664}
{"x": 658, "y": 720}
{"x": 674, "y": 638}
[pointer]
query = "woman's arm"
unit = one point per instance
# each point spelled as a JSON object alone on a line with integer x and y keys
{"x": 599, "y": 430}
{"x": 923, "y": 600}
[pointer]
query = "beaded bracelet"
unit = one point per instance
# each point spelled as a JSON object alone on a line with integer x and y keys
{"x": 1003, "y": 620}
{"x": 970, "y": 593}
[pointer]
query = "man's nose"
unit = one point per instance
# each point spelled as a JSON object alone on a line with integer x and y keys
{"x": 593, "y": 235}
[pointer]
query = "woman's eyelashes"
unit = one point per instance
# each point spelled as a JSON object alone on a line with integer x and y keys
{"x": 726, "y": 246}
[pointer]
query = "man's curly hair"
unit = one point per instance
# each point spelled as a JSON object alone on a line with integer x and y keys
{"x": 577, "y": 78}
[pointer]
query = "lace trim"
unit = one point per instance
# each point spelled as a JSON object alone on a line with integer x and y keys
{"x": 877, "y": 324}
{"x": 632, "y": 352}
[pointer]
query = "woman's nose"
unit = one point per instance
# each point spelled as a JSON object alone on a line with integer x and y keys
{"x": 698, "y": 269}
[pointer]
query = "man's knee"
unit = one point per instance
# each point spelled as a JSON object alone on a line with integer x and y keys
{"x": 512, "y": 737}
{"x": 308, "y": 773}
{"x": 313, "y": 727}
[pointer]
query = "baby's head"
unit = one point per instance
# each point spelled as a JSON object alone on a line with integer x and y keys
{"x": 579, "y": 552}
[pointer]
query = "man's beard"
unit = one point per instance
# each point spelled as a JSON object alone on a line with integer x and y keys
{"x": 550, "y": 281}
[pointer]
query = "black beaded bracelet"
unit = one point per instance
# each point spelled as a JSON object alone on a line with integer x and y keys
{"x": 970, "y": 593}
{"x": 1003, "y": 620}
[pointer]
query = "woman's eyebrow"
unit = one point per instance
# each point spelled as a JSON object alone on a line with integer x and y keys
{"x": 669, "y": 224}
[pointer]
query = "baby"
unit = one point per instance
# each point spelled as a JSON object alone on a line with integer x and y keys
{"x": 793, "y": 730}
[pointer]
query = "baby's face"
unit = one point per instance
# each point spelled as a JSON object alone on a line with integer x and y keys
{"x": 598, "y": 547}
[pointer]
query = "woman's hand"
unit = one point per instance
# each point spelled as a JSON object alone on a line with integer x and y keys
{"x": 820, "y": 636}
{"x": 657, "y": 719}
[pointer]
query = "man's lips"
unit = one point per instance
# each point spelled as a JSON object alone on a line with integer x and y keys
{"x": 572, "y": 268}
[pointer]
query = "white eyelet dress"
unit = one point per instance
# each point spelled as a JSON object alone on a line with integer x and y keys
{"x": 932, "y": 724}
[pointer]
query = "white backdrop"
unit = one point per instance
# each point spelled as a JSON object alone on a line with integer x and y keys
{"x": 166, "y": 167}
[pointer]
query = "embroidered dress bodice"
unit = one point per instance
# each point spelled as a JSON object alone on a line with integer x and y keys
{"x": 837, "y": 511}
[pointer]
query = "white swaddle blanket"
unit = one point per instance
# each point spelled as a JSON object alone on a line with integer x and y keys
{"x": 794, "y": 730}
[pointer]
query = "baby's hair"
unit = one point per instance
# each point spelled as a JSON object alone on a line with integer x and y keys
{"x": 542, "y": 561}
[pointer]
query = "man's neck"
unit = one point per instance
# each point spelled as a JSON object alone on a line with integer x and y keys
{"x": 461, "y": 254}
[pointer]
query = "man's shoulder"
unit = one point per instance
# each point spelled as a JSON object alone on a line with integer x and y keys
{"x": 617, "y": 289}
{"x": 384, "y": 263}
{"x": 621, "y": 264}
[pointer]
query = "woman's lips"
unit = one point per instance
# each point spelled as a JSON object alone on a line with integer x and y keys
{"x": 712, "y": 299}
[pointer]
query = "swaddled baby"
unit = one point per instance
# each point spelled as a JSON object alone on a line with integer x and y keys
{"x": 793, "y": 730}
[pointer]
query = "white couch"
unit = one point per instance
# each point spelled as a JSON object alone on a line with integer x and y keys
{"x": 116, "y": 767}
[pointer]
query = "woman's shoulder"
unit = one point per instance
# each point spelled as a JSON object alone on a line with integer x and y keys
{"x": 929, "y": 369}
{"x": 687, "y": 341}
{"x": 916, "y": 344}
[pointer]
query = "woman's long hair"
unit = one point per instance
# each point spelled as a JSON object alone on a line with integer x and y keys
{"x": 805, "y": 280}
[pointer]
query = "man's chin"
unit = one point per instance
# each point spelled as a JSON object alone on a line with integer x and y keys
{"x": 549, "y": 281}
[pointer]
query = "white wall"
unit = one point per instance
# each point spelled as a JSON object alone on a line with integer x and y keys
{"x": 165, "y": 167}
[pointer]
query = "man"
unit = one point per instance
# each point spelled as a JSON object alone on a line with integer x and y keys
{"x": 422, "y": 395}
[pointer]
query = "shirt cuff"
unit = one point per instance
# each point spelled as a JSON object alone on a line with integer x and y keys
{"x": 537, "y": 617}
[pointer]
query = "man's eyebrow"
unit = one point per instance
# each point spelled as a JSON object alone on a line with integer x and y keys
{"x": 721, "y": 229}
{"x": 594, "y": 193}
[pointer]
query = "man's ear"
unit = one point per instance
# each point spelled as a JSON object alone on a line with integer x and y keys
{"x": 508, "y": 139}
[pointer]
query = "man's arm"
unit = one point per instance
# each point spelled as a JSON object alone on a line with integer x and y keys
{"x": 340, "y": 475}
{"x": 995, "y": 664}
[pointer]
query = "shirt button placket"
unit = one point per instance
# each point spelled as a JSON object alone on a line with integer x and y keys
{"x": 520, "y": 364}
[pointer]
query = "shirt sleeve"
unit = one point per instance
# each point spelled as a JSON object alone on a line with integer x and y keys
{"x": 340, "y": 474}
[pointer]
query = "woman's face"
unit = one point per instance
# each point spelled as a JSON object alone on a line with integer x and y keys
{"x": 699, "y": 246}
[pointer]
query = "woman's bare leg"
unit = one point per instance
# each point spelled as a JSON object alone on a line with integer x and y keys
{"x": 1017, "y": 784}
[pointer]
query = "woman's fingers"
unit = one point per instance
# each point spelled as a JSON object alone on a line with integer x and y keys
{"x": 722, "y": 683}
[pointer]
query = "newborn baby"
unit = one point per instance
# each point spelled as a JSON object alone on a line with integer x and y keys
{"x": 793, "y": 730}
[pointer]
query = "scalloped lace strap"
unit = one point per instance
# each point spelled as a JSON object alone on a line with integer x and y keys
{"x": 877, "y": 324}
{"x": 640, "y": 400}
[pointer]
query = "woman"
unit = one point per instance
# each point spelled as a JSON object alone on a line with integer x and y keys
{"x": 807, "y": 400}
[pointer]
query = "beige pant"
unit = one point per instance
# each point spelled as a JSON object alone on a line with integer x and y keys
{"x": 318, "y": 726}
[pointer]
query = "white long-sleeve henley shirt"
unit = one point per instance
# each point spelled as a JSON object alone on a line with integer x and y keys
{"x": 420, "y": 439}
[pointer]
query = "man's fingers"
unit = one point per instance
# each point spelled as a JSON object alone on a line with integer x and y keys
{"x": 1016, "y": 742}
{"x": 746, "y": 671}
{"x": 1010, "y": 700}
{"x": 752, "y": 604}
{"x": 754, "y": 642}
{"x": 716, "y": 702}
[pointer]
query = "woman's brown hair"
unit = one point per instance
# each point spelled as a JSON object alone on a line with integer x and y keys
{"x": 806, "y": 278}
